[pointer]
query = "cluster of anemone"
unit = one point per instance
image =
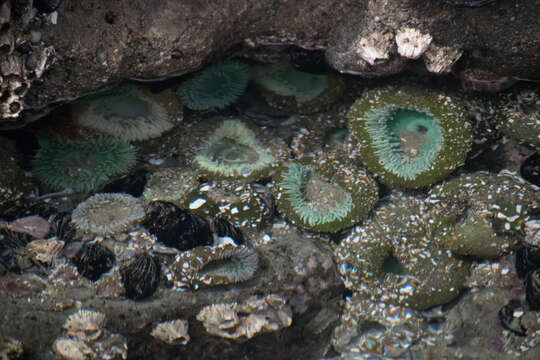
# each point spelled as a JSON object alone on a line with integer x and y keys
{"x": 216, "y": 86}
{"x": 326, "y": 195}
{"x": 410, "y": 137}
{"x": 288, "y": 88}
{"x": 82, "y": 165}
{"x": 129, "y": 112}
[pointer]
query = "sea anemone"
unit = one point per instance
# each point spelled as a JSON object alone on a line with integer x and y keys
{"x": 211, "y": 266}
{"x": 216, "y": 86}
{"x": 107, "y": 214}
{"x": 326, "y": 195}
{"x": 235, "y": 149}
{"x": 82, "y": 165}
{"x": 140, "y": 276}
{"x": 520, "y": 116}
{"x": 410, "y": 137}
{"x": 287, "y": 88}
{"x": 177, "y": 227}
{"x": 129, "y": 112}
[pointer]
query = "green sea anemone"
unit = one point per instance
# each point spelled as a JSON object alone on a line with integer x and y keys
{"x": 129, "y": 112}
{"x": 214, "y": 265}
{"x": 82, "y": 165}
{"x": 230, "y": 148}
{"x": 410, "y": 137}
{"x": 107, "y": 213}
{"x": 394, "y": 257}
{"x": 287, "y": 88}
{"x": 245, "y": 205}
{"x": 216, "y": 86}
{"x": 326, "y": 195}
{"x": 520, "y": 116}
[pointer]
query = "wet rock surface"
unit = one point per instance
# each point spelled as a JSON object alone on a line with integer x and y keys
{"x": 86, "y": 45}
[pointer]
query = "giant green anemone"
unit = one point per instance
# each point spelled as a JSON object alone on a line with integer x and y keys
{"x": 410, "y": 137}
{"x": 231, "y": 148}
{"x": 287, "y": 88}
{"x": 82, "y": 165}
{"x": 326, "y": 195}
{"x": 216, "y": 86}
{"x": 129, "y": 112}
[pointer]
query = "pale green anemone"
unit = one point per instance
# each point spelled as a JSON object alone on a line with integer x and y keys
{"x": 231, "y": 148}
{"x": 287, "y": 88}
{"x": 130, "y": 112}
{"x": 216, "y": 86}
{"x": 326, "y": 195}
{"x": 410, "y": 137}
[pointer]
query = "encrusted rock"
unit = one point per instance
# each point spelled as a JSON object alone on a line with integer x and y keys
{"x": 10, "y": 349}
{"x": 440, "y": 59}
{"x": 45, "y": 250}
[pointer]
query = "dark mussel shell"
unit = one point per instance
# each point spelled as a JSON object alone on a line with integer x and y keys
{"x": 527, "y": 260}
{"x": 530, "y": 169}
{"x": 509, "y": 321}
{"x": 141, "y": 276}
{"x": 93, "y": 259}
{"x": 177, "y": 227}
{"x": 224, "y": 228}
{"x": 47, "y": 6}
{"x": 63, "y": 227}
{"x": 532, "y": 289}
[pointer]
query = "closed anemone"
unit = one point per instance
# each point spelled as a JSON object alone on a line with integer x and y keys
{"x": 129, "y": 112}
{"x": 82, "y": 165}
{"x": 303, "y": 187}
{"x": 410, "y": 137}
{"x": 234, "y": 264}
{"x": 233, "y": 150}
{"x": 216, "y": 86}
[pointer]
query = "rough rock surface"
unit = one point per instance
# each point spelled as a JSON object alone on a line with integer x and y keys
{"x": 90, "y": 44}
{"x": 294, "y": 268}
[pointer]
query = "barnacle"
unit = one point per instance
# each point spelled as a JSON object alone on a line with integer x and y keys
{"x": 287, "y": 88}
{"x": 216, "y": 86}
{"x": 107, "y": 214}
{"x": 324, "y": 195}
{"x": 211, "y": 266}
{"x": 129, "y": 112}
{"x": 410, "y": 137}
{"x": 233, "y": 149}
{"x": 82, "y": 165}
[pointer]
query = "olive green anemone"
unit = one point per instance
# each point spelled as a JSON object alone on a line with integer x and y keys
{"x": 216, "y": 86}
{"x": 394, "y": 257}
{"x": 82, "y": 165}
{"x": 129, "y": 112}
{"x": 287, "y": 88}
{"x": 410, "y": 137}
{"x": 323, "y": 195}
{"x": 234, "y": 149}
{"x": 520, "y": 116}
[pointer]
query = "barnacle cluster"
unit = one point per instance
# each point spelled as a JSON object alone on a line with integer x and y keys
{"x": 82, "y": 165}
{"x": 287, "y": 88}
{"x": 325, "y": 195}
{"x": 216, "y": 86}
{"x": 129, "y": 112}
{"x": 410, "y": 137}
